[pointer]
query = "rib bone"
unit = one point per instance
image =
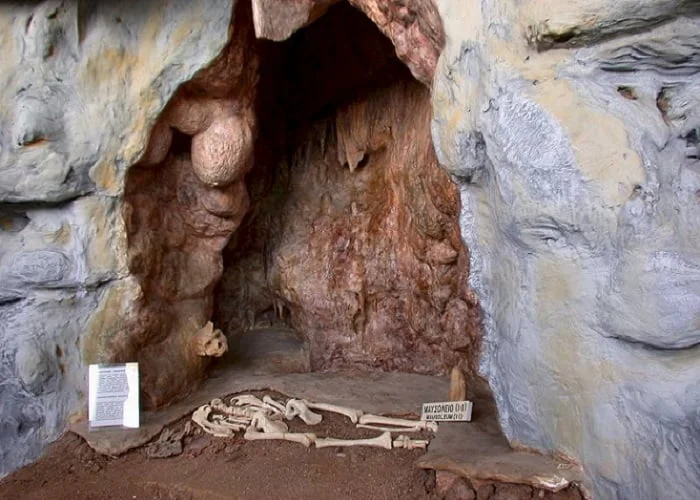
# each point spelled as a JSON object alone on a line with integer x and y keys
{"x": 399, "y": 422}
{"x": 351, "y": 413}
{"x": 247, "y": 412}
{"x": 299, "y": 408}
{"x": 410, "y": 444}
{"x": 305, "y": 438}
{"x": 382, "y": 441}
{"x": 201, "y": 418}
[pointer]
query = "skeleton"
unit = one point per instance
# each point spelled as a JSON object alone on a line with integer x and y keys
{"x": 381, "y": 441}
{"x": 262, "y": 420}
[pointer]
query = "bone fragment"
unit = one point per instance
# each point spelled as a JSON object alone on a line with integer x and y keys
{"x": 410, "y": 444}
{"x": 398, "y": 422}
{"x": 388, "y": 429}
{"x": 458, "y": 385}
{"x": 275, "y": 405}
{"x": 305, "y": 438}
{"x": 246, "y": 400}
{"x": 262, "y": 423}
{"x": 201, "y": 418}
{"x": 351, "y": 413}
{"x": 244, "y": 421}
{"x": 237, "y": 411}
{"x": 381, "y": 441}
{"x": 299, "y": 408}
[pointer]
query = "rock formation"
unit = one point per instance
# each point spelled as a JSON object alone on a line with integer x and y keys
{"x": 140, "y": 141}
{"x": 353, "y": 232}
{"x": 572, "y": 129}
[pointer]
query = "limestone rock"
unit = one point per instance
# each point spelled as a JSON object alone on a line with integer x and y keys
{"x": 579, "y": 181}
{"x": 81, "y": 84}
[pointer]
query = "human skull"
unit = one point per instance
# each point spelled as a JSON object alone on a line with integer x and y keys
{"x": 210, "y": 341}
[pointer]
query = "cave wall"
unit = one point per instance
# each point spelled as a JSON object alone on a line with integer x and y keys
{"x": 352, "y": 235}
{"x": 572, "y": 129}
{"x": 81, "y": 85}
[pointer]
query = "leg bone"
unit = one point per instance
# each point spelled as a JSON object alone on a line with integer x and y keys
{"x": 351, "y": 413}
{"x": 305, "y": 438}
{"x": 410, "y": 444}
{"x": 398, "y": 422}
{"x": 382, "y": 441}
{"x": 388, "y": 429}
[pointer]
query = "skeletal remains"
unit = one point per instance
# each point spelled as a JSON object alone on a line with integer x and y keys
{"x": 264, "y": 419}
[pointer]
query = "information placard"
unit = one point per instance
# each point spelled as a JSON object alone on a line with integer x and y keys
{"x": 449, "y": 411}
{"x": 113, "y": 395}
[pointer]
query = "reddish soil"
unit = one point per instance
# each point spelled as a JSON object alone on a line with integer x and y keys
{"x": 212, "y": 468}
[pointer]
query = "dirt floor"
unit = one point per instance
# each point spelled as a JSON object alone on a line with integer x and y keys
{"x": 219, "y": 468}
{"x": 184, "y": 463}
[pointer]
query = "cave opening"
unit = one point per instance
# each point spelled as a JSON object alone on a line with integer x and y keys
{"x": 349, "y": 255}
{"x": 290, "y": 194}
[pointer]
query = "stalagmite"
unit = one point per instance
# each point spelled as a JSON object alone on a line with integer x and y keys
{"x": 458, "y": 385}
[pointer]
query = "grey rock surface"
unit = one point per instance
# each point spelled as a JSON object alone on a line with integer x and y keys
{"x": 81, "y": 84}
{"x": 573, "y": 132}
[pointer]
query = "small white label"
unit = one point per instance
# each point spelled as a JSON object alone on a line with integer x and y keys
{"x": 113, "y": 395}
{"x": 449, "y": 411}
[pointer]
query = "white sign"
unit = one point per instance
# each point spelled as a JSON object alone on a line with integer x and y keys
{"x": 113, "y": 395}
{"x": 454, "y": 411}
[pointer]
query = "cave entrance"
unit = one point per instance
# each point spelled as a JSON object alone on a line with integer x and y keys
{"x": 350, "y": 253}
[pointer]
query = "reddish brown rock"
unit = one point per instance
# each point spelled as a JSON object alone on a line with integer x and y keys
{"x": 415, "y": 29}
{"x": 352, "y": 238}
{"x": 183, "y": 200}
